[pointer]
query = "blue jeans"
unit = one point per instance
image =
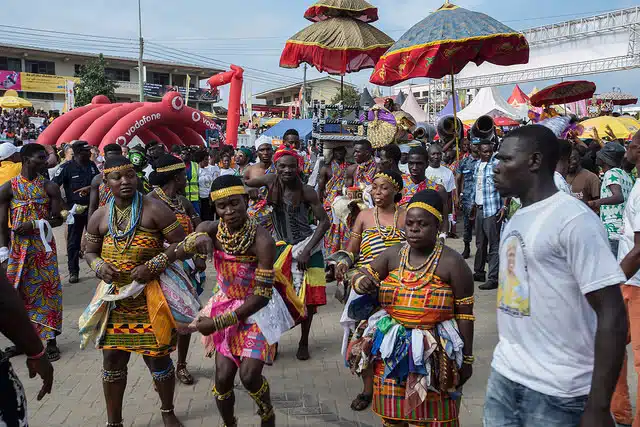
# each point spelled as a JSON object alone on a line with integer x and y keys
{"x": 509, "y": 404}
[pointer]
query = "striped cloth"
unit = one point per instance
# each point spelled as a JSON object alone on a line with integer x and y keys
{"x": 373, "y": 244}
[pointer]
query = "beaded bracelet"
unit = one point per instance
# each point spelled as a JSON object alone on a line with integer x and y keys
{"x": 263, "y": 292}
{"x": 93, "y": 238}
{"x": 372, "y": 272}
{"x": 465, "y": 317}
{"x": 468, "y": 360}
{"x": 262, "y": 272}
{"x": 158, "y": 264}
{"x": 465, "y": 301}
{"x": 96, "y": 265}
{"x": 169, "y": 228}
{"x": 190, "y": 242}
{"x": 200, "y": 256}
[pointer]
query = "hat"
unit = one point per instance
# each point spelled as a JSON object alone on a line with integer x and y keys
{"x": 7, "y": 150}
{"x": 80, "y": 145}
{"x": 263, "y": 139}
{"x": 612, "y": 154}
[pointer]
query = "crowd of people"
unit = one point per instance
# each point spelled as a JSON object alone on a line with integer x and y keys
{"x": 22, "y": 125}
{"x": 555, "y": 235}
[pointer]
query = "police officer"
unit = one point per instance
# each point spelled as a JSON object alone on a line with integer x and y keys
{"x": 466, "y": 188}
{"x": 75, "y": 178}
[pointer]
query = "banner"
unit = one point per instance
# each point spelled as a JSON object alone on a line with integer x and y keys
{"x": 32, "y": 82}
{"x": 70, "y": 95}
{"x": 158, "y": 91}
{"x": 10, "y": 80}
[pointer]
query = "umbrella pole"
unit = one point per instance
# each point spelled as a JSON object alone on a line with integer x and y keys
{"x": 455, "y": 117}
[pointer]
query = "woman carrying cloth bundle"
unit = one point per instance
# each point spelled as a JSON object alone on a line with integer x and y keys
{"x": 374, "y": 231}
{"x": 246, "y": 316}
{"x": 423, "y": 338}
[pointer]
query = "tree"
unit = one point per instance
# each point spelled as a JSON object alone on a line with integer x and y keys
{"x": 351, "y": 96}
{"x": 93, "y": 81}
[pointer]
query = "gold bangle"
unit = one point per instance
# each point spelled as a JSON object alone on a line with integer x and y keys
{"x": 470, "y": 317}
{"x": 96, "y": 265}
{"x": 92, "y": 238}
{"x": 263, "y": 292}
{"x": 372, "y": 272}
{"x": 169, "y": 228}
{"x": 465, "y": 301}
{"x": 468, "y": 360}
{"x": 190, "y": 242}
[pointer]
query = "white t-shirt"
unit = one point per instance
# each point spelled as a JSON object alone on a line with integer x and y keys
{"x": 229, "y": 171}
{"x": 206, "y": 176}
{"x": 631, "y": 225}
{"x": 442, "y": 176}
{"x": 480, "y": 183}
{"x": 552, "y": 254}
{"x": 561, "y": 183}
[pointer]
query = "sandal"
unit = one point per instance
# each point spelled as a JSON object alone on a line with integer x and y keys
{"x": 361, "y": 402}
{"x": 53, "y": 353}
{"x": 183, "y": 375}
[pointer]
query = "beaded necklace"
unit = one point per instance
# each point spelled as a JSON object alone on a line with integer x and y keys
{"x": 124, "y": 222}
{"x": 175, "y": 204}
{"x": 237, "y": 243}
{"x": 423, "y": 273}
{"x": 382, "y": 230}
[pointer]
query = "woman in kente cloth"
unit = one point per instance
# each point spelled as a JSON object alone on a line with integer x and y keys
{"x": 374, "y": 231}
{"x": 126, "y": 249}
{"x": 246, "y": 316}
{"x": 420, "y": 344}
{"x": 170, "y": 179}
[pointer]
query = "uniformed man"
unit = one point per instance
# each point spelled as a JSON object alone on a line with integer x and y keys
{"x": 75, "y": 177}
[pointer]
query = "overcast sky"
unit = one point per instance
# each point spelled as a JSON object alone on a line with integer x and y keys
{"x": 252, "y": 32}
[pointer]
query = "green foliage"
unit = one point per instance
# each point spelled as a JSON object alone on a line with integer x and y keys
{"x": 93, "y": 81}
{"x": 351, "y": 96}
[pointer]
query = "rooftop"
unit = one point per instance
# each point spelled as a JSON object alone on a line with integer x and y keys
{"x": 296, "y": 86}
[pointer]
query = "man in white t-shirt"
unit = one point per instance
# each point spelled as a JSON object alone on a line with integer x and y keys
{"x": 629, "y": 258}
{"x": 561, "y": 318}
{"x": 437, "y": 173}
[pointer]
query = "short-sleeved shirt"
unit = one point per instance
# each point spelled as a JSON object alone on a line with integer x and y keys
{"x": 631, "y": 226}
{"x": 585, "y": 185}
{"x": 442, "y": 176}
{"x": 611, "y": 215}
{"x": 552, "y": 254}
{"x": 72, "y": 176}
{"x": 466, "y": 168}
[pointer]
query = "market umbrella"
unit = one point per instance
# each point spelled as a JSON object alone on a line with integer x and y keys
{"x": 12, "y": 100}
{"x": 445, "y": 42}
{"x": 505, "y": 121}
{"x": 622, "y": 127}
{"x": 617, "y": 98}
{"x": 356, "y": 9}
{"x": 563, "y": 93}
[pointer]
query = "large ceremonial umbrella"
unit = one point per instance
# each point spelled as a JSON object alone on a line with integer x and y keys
{"x": 12, "y": 100}
{"x": 445, "y": 42}
{"x": 339, "y": 42}
{"x": 356, "y": 9}
{"x": 622, "y": 127}
{"x": 617, "y": 98}
{"x": 563, "y": 93}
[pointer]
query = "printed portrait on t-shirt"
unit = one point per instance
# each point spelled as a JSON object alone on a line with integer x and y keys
{"x": 513, "y": 282}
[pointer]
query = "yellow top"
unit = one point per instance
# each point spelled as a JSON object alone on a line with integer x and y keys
{"x": 8, "y": 170}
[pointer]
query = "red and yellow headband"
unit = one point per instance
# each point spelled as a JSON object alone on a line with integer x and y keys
{"x": 426, "y": 207}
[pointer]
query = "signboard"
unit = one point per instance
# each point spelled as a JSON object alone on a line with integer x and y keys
{"x": 195, "y": 94}
{"x": 32, "y": 82}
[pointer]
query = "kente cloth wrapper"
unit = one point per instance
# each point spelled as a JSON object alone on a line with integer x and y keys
{"x": 338, "y": 236}
{"x": 32, "y": 267}
{"x": 256, "y": 336}
{"x": 310, "y": 285}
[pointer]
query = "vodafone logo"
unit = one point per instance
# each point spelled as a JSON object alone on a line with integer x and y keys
{"x": 196, "y": 116}
{"x": 121, "y": 140}
{"x": 177, "y": 103}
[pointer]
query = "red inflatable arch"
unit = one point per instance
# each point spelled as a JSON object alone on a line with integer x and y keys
{"x": 80, "y": 125}
{"x": 147, "y": 136}
{"x": 188, "y": 135}
{"x": 166, "y": 136}
{"x": 171, "y": 111}
{"x": 58, "y": 126}
{"x": 98, "y": 129}
{"x": 235, "y": 78}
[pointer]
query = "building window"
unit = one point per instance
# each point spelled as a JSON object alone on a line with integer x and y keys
{"x": 158, "y": 78}
{"x": 10, "y": 64}
{"x": 40, "y": 67}
{"x": 287, "y": 99}
{"x": 77, "y": 69}
{"x": 39, "y": 95}
{"x": 416, "y": 94}
{"x": 269, "y": 101}
{"x": 118, "y": 74}
{"x": 278, "y": 101}
{"x": 425, "y": 93}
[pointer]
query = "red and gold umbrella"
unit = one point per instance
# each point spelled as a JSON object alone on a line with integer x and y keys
{"x": 564, "y": 93}
{"x": 356, "y": 9}
{"x": 337, "y": 46}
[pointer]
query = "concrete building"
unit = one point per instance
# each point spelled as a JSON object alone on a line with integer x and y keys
{"x": 322, "y": 89}
{"x": 40, "y": 75}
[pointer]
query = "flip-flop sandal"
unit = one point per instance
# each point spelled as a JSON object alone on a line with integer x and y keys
{"x": 360, "y": 400}
{"x": 183, "y": 375}
{"x": 53, "y": 354}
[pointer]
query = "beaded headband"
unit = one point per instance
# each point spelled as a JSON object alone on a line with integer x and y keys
{"x": 389, "y": 179}
{"x": 226, "y": 192}
{"x": 120, "y": 168}
{"x": 171, "y": 168}
{"x": 424, "y": 206}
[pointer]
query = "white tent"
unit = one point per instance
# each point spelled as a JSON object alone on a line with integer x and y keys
{"x": 487, "y": 100}
{"x": 411, "y": 106}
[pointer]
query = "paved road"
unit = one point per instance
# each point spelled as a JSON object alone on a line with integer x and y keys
{"x": 317, "y": 392}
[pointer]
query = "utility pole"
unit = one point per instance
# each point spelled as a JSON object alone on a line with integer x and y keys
{"x": 303, "y": 109}
{"x": 140, "y": 65}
